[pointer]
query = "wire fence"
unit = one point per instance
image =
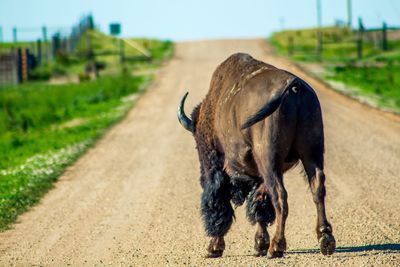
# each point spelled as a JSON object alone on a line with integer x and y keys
{"x": 18, "y": 59}
{"x": 343, "y": 41}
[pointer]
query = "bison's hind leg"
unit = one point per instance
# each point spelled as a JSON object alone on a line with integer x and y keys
{"x": 260, "y": 211}
{"x": 217, "y": 211}
{"x": 316, "y": 178}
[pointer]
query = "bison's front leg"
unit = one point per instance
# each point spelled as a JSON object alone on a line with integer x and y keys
{"x": 260, "y": 211}
{"x": 217, "y": 212}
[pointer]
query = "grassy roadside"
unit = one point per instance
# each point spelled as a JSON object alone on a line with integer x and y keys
{"x": 374, "y": 79}
{"x": 380, "y": 85}
{"x": 106, "y": 50}
{"x": 44, "y": 128}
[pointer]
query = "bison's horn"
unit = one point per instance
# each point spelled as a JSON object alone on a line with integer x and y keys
{"x": 183, "y": 119}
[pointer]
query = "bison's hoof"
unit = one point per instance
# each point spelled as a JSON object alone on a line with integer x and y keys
{"x": 216, "y": 247}
{"x": 275, "y": 254}
{"x": 276, "y": 248}
{"x": 261, "y": 252}
{"x": 261, "y": 245}
{"x": 215, "y": 254}
{"x": 327, "y": 244}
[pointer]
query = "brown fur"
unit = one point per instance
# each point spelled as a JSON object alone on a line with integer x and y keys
{"x": 255, "y": 123}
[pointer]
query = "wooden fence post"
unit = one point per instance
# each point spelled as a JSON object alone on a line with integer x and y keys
{"x": 360, "y": 39}
{"x": 9, "y": 66}
{"x": 384, "y": 37}
{"x": 24, "y": 64}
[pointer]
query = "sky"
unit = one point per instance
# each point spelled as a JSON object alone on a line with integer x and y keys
{"x": 188, "y": 19}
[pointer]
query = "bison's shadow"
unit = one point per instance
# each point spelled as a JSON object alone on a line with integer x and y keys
{"x": 378, "y": 247}
{"x": 389, "y": 248}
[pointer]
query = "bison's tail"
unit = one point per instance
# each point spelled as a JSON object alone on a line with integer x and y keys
{"x": 271, "y": 106}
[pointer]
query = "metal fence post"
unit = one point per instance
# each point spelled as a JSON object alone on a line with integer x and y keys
{"x": 19, "y": 65}
{"x": 384, "y": 37}
{"x": 121, "y": 50}
{"x": 56, "y": 44}
{"x": 15, "y": 34}
{"x": 39, "y": 51}
{"x": 319, "y": 44}
{"x": 45, "y": 45}
{"x": 360, "y": 39}
{"x": 290, "y": 46}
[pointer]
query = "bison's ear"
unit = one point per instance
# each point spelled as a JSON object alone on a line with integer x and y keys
{"x": 183, "y": 119}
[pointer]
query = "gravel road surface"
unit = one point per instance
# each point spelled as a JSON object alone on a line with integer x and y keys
{"x": 133, "y": 199}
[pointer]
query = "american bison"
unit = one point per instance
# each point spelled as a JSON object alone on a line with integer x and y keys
{"x": 255, "y": 123}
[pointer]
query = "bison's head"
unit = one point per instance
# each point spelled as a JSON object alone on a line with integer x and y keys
{"x": 183, "y": 119}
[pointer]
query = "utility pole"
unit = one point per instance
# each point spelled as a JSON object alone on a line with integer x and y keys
{"x": 282, "y": 23}
{"x": 15, "y": 34}
{"x": 319, "y": 31}
{"x": 319, "y": 14}
{"x": 349, "y": 14}
{"x": 44, "y": 33}
{"x": 1, "y": 34}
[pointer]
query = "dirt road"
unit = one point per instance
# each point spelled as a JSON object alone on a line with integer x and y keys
{"x": 134, "y": 198}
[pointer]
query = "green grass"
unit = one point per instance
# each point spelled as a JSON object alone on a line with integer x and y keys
{"x": 36, "y": 140}
{"x": 44, "y": 128}
{"x": 10, "y": 45}
{"x": 381, "y": 84}
{"x": 103, "y": 44}
{"x": 339, "y": 45}
{"x": 376, "y": 76}
{"x": 22, "y": 122}
{"x": 107, "y": 50}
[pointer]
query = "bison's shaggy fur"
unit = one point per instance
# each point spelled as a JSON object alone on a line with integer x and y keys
{"x": 260, "y": 208}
